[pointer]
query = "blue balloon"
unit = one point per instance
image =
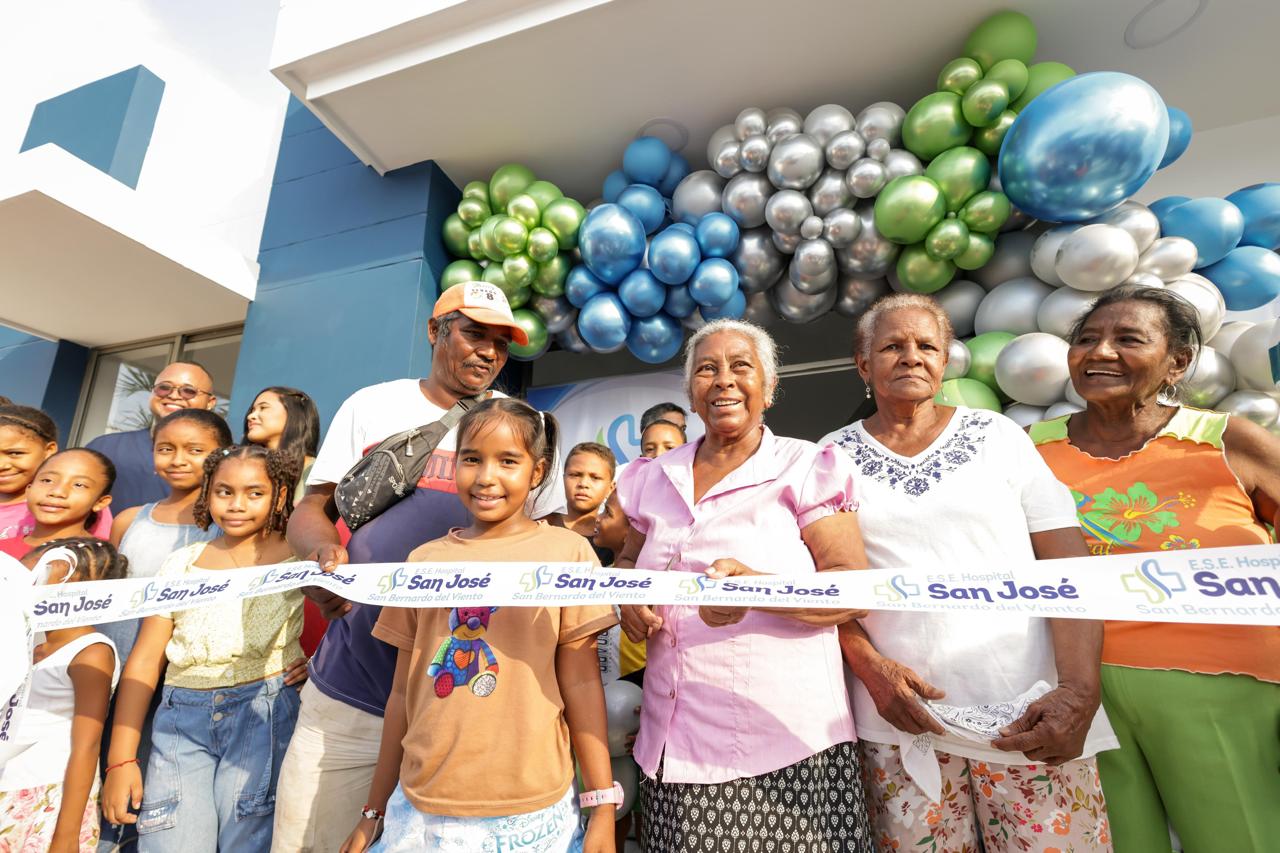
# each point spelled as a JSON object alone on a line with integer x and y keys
{"x": 1179, "y": 136}
{"x": 717, "y": 235}
{"x": 611, "y": 241}
{"x": 655, "y": 339}
{"x": 1260, "y": 205}
{"x": 1083, "y": 146}
{"x": 604, "y": 323}
{"x": 683, "y": 226}
{"x": 674, "y": 255}
{"x": 733, "y": 309}
{"x": 646, "y": 203}
{"x": 1161, "y": 206}
{"x": 713, "y": 283}
{"x": 614, "y": 183}
{"x": 646, "y": 160}
{"x": 679, "y": 303}
{"x": 580, "y": 285}
{"x": 642, "y": 294}
{"x": 1215, "y": 225}
{"x": 676, "y": 172}
{"x": 1249, "y": 277}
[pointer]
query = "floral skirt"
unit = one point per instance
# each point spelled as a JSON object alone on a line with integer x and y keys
{"x": 812, "y": 806}
{"x": 28, "y": 817}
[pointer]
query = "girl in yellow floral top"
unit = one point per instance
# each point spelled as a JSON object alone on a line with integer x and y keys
{"x": 227, "y": 712}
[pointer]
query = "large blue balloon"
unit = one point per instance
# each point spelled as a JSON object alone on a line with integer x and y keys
{"x": 1213, "y": 224}
{"x": 679, "y": 303}
{"x": 642, "y": 294}
{"x": 580, "y": 285}
{"x": 674, "y": 255}
{"x": 611, "y": 241}
{"x": 1260, "y": 205}
{"x": 676, "y": 172}
{"x": 1179, "y": 136}
{"x": 1249, "y": 277}
{"x": 1083, "y": 146}
{"x": 604, "y": 323}
{"x": 733, "y": 309}
{"x": 1161, "y": 206}
{"x": 717, "y": 235}
{"x": 614, "y": 183}
{"x": 646, "y": 203}
{"x": 655, "y": 339}
{"x": 713, "y": 283}
{"x": 646, "y": 160}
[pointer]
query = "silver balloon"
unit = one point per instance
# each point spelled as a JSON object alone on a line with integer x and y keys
{"x": 759, "y": 309}
{"x": 1057, "y": 410}
{"x": 1143, "y": 279}
{"x": 556, "y": 312}
{"x": 1011, "y": 259}
{"x": 882, "y": 120}
{"x": 1032, "y": 369}
{"x": 1211, "y": 378}
{"x": 857, "y": 294}
{"x": 895, "y": 283}
{"x": 960, "y": 300}
{"x": 1017, "y": 220}
{"x": 811, "y": 228}
{"x": 796, "y": 307}
{"x": 787, "y": 210}
{"x": 1012, "y": 307}
{"x": 841, "y": 227}
{"x": 1024, "y": 415}
{"x": 750, "y": 122}
{"x": 757, "y": 260}
{"x": 1095, "y": 257}
{"x": 1073, "y": 396}
{"x": 1251, "y": 356}
{"x": 694, "y": 321}
{"x": 813, "y": 267}
{"x": 829, "y": 192}
{"x": 1227, "y": 336}
{"x": 1044, "y": 254}
{"x": 900, "y": 162}
{"x": 1206, "y": 298}
{"x": 726, "y": 162}
{"x": 753, "y": 153}
{"x": 1135, "y": 218}
{"x": 878, "y": 149}
{"x": 570, "y": 340}
{"x": 1259, "y": 407}
{"x": 866, "y": 177}
{"x": 826, "y": 121}
{"x": 783, "y": 122}
{"x": 869, "y": 255}
{"x": 1058, "y": 313}
{"x": 844, "y": 148}
{"x": 1168, "y": 258}
{"x": 696, "y": 196}
{"x": 719, "y": 138}
{"x": 796, "y": 162}
{"x": 786, "y": 243}
{"x": 745, "y": 197}
{"x": 959, "y": 358}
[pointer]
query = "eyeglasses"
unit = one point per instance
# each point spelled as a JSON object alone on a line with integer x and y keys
{"x": 186, "y": 392}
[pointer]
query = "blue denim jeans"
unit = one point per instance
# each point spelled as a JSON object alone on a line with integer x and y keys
{"x": 215, "y": 758}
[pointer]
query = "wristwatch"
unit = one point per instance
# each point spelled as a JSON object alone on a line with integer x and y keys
{"x": 591, "y": 799}
{"x": 370, "y": 813}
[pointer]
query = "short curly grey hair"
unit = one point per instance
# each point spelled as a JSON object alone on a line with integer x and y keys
{"x": 761, "y": 341}
{"x": 866, "y": 328}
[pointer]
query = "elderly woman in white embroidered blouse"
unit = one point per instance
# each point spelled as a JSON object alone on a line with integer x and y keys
{"x": 948, "y": 487}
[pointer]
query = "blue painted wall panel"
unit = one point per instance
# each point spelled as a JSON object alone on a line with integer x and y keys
{"x": 386, "y": 242}
{"x": 312, "y": 152}
{"x": 299, "y": 119}
{"x": 44, "y": 374}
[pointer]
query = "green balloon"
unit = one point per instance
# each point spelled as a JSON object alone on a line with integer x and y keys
{"x": 459, "y": 272}
{"x": 524, "y": 209}
{"x": 967, "y": 392}
{"x": 1012, "y": 73}
{"x": 920, "y": 273}
{"x": 934, "y": 124}
{"x": 1004, "y": 35}
{"x": 908, "y": 207}
{"x": 473, "y": 211}
{"x": 536, "y": 329}
{"x": 984, "y": 102}
{"x": 494, "y": 275}
{"x": 948, "y": 239}
{"x": 519, "y": 270}
{"x": 474, "y": 247}
{"x": 510, "y": 236}
{"x": 487, "y": 240}
{"x": 989, "y": 139}
{"x": 960, "y": 173}
{"x": 1041, "y": 76}
{"x": 476, "y": 189}
{"x": 544, "y": 192}
{"x": 958, "y": 75}
{"x": 508, "y": 182}
{"x": 987, "y": 211}
{"x": 980, "y": 249}
{"x": 551, "y": 276}
{"x": 563, "y": 217}
{"x": 455, "y": 233}
{"x": 517, "y": 296}
{"x": 543, "y": 245}
{"x": 983, "y": 350}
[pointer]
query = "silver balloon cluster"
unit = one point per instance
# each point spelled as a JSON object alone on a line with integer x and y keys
{"x": 802, "y": 191}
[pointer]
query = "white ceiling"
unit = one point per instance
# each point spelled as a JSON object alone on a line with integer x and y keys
{"x": 565, "y": 93}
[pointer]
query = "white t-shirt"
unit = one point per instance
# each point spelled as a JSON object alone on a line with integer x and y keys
{"x": 971, "y": 498}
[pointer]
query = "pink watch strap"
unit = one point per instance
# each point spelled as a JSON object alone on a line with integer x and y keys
{"x": 591, "y": 799}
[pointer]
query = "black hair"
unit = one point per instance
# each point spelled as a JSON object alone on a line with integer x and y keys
{"x": 30, "y": 419}
{"x": 538, "y": 431}
{"x": 664, "y": 422}
{"x": 108, "y": 468}
{"x": 659, "y": 412}
{"x": 96, "y": 559}
{"x": 594, "y": 448}
{"x": 301, "y": 436}
{"x": 1181, "y": 321}
{"x": 282, "y": 471}
{"x": 212, "y": 421}
{"x": 193, "y": 363}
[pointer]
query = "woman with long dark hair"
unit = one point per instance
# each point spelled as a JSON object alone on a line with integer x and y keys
{"x": 285, "y": 419}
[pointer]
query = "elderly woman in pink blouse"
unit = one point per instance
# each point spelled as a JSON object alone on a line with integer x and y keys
{"x": 746, "y": 737}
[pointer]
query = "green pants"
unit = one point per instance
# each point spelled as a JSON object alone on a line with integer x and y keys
{"x": 1200, "y": 752}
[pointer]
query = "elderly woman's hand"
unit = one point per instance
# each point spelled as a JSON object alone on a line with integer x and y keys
{"x": 718, "y": 617}
{"x": 1054, "y": 728}
{"x": 639, "y": 622}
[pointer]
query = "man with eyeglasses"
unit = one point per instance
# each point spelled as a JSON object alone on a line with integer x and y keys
{"x": 181, "y": 385}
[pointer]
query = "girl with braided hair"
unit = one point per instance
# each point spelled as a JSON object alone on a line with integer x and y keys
{"x": 226, "y": 713}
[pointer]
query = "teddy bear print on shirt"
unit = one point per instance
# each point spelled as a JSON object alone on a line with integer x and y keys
{"x": 464, "y": 657}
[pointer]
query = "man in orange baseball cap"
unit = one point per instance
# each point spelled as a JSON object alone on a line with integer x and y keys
{"x": 482, "y": 302}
